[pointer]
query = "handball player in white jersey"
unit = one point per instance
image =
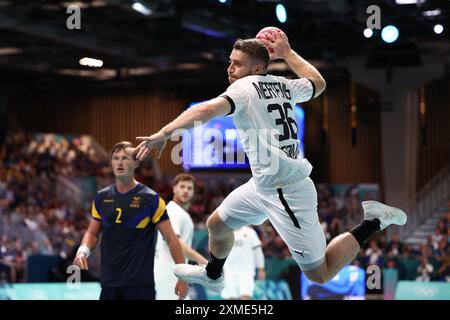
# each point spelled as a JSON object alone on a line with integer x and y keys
{"x": 280, "y": 189}
{"x": 244, "y": 259}
{"x": 177, "y": 209}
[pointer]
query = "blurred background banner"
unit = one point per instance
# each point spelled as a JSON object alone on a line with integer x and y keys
{"x": 264, "y": 290}
{"x": 413, "y": 290}
{"x": 348, "y": 284}
{"x": 49, "y": 291}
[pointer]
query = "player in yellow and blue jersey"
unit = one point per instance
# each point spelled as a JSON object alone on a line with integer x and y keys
{"x": 128, "y": 214}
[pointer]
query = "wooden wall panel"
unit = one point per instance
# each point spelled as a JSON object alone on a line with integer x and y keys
{"x": 315, "y": 141}
{"x": 336, "y": 159}
{"x": 434, "y": 132}
{"x": 108, "y": 118}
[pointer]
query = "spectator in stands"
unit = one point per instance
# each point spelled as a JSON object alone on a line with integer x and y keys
{"x": 395, "y": 247}
{"x": 8, "y": 259}
{"x": 426, "y": 249}
{"x": 444, "y": 270}
{"x": 442, "y": 252}
{"x": 424, "y": 270}
{"x": 436, "y": 238}
{"x": 374, "y": 253}
{"x": 6, "y": 196}
{"x": 7, "y": 272}
{"x": 442, "y": 225}
{"x": 47, "y": 248}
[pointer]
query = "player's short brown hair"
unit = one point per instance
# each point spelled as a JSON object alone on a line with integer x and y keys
{"x": 183, "y": 177}
{"x": 122, "y": 145}
{"x": 255, "y": 49}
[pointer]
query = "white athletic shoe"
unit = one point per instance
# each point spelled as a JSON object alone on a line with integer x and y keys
{"x": 197, "y": 274}
{"x": 386, "y": 214}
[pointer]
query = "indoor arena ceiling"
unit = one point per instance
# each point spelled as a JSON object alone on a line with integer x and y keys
{"x": 168, "y": 37}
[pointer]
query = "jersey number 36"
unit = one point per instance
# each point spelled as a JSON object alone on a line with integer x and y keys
{"x": 289, "y": 132}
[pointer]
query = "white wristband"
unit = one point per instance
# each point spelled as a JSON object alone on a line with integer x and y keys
{"x": 84, "y": 250}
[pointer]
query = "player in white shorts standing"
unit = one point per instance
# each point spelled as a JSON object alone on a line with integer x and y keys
{"x": 280, "y": 189}
{"x": 239, "y": 269}
{"x": 177, "y": 209}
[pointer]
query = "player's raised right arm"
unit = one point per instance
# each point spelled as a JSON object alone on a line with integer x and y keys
{"x": 90, "y": 240}
{"x": 302, "y": 68}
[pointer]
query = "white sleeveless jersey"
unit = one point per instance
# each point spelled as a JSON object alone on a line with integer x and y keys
{"x": 182, "y": 226}
{"x": 242, "y": 257}
{"x": 263, "y": 110}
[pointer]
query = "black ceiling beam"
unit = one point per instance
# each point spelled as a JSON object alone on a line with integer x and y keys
{"x": 75, "y": 39}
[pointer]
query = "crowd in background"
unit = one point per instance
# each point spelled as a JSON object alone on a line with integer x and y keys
{"x": 35, "y": 218}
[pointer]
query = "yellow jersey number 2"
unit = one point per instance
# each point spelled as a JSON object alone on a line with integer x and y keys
{"x": 119, "y": 215}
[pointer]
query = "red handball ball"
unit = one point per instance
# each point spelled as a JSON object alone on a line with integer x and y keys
{"x": 267, "y": 30}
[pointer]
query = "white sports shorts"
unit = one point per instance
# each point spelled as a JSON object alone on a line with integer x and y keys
{"x": 291, "y": 210}
{"x": 165, "y": 281}
{"x": 238, "y": 285}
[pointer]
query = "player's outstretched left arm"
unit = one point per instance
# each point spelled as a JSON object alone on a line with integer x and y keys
{"x": 200, "y": 113}
{"x": 165, "y": 227}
